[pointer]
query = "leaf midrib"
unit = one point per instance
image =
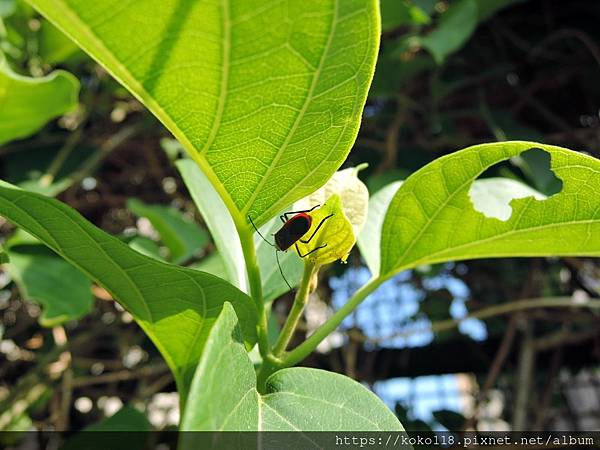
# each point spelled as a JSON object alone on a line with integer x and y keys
{"x": 84, "y": 231}
{"x": 226, "y": 44}
{"x": 308, "y": 99}
{"x": 432, "y": 256}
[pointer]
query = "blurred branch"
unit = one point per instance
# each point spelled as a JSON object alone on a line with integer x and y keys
{"x": 566, "y": 33}
{"x": 492, "y": 311}
{"x": 63, "y": 366}
{"x": 121, "y": 375}
{"x": 60, "y": 158}
{"x": 106, "y": 148}
{"x": 524, "y": 377}
{"x": 390, "y": 147}
{"x": 29, "y": 388}
{"x": 496, "y": 368}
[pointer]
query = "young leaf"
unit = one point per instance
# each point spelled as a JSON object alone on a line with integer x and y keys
{"x": 182, "y": 236}
{"x": 370, "y": 236}
{"x": 41, "y": 275}
{"x": 335, "y": 236}
{"x": 28, "y": 103}
{"x": 297, "y": 399}
{"x": 432, "y": 217}
{"x": 217, "y": 219}
{"x": 175, "y": 306}
{"x": 269, "y": 117}
{"x": 352, "y": 191}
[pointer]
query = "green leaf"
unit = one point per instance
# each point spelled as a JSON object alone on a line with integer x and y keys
{"x": 55, "y": 47}
{"x": 181, "y": 235}
{"x": 353, "y": 194}
{"x": 432, "y": 218}
{"x": 396, "y": 13}
{"x": 217, "y": 219}
{"x": 146, "y": 246}
{"x": 109, "y": 433}
{"x": 269, "y": 116}
{"x": 213, "y": 264}
{"x": 331, "y": 235}
{"x": 175, "y": 306}
{"x": 40, "y": 276}
{"x": 370, "y": 236}
{"x": 297, "y": 399}
{"x": 28, "y": 103}
{"x": 455, "y": 27}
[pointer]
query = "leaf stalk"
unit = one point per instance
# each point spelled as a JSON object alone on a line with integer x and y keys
{"x": 300, "y": 301}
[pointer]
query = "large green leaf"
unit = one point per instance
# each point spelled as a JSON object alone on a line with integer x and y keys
{"x": 297, "y": 399}
{"x": 28, "y": 103}
{"x": 269, "y": 116}
{"x": 175, "y": 306}
{"x": 491, "y": 196}
{"x": 432, "y": 217}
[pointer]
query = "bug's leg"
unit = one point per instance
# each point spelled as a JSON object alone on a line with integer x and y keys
{"x": 259, "y": 233}
{"x": 316, "y": 229}
{"x": 282, "y": 219}
{"x": 308, "y": 253}
{"x": 281, "y": 270}
{"x": 289, "y": 213}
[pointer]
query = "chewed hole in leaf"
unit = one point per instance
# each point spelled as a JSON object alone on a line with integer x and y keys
{"x": 535, "y": 164}
{"x": 493, "y": 196}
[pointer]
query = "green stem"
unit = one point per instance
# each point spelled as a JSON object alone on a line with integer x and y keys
{"x": 308, "y": 346}
{"x": 255, "y": 283}
{"x": 299, "y": 303}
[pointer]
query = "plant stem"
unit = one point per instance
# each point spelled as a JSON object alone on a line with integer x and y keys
{"x": 307, "y": 347}
{"x": 255, "y": 283}
{"x": 299, "y": 303}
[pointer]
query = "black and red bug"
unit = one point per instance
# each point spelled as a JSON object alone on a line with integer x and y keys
{"x": 295, "y": 225}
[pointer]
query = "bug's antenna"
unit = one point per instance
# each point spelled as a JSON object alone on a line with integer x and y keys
{"x": 281, "y": 270}
{"x": 263, "y": 238}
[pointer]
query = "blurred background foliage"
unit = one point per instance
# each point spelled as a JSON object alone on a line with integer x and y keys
{"x": 450, "y": 74}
